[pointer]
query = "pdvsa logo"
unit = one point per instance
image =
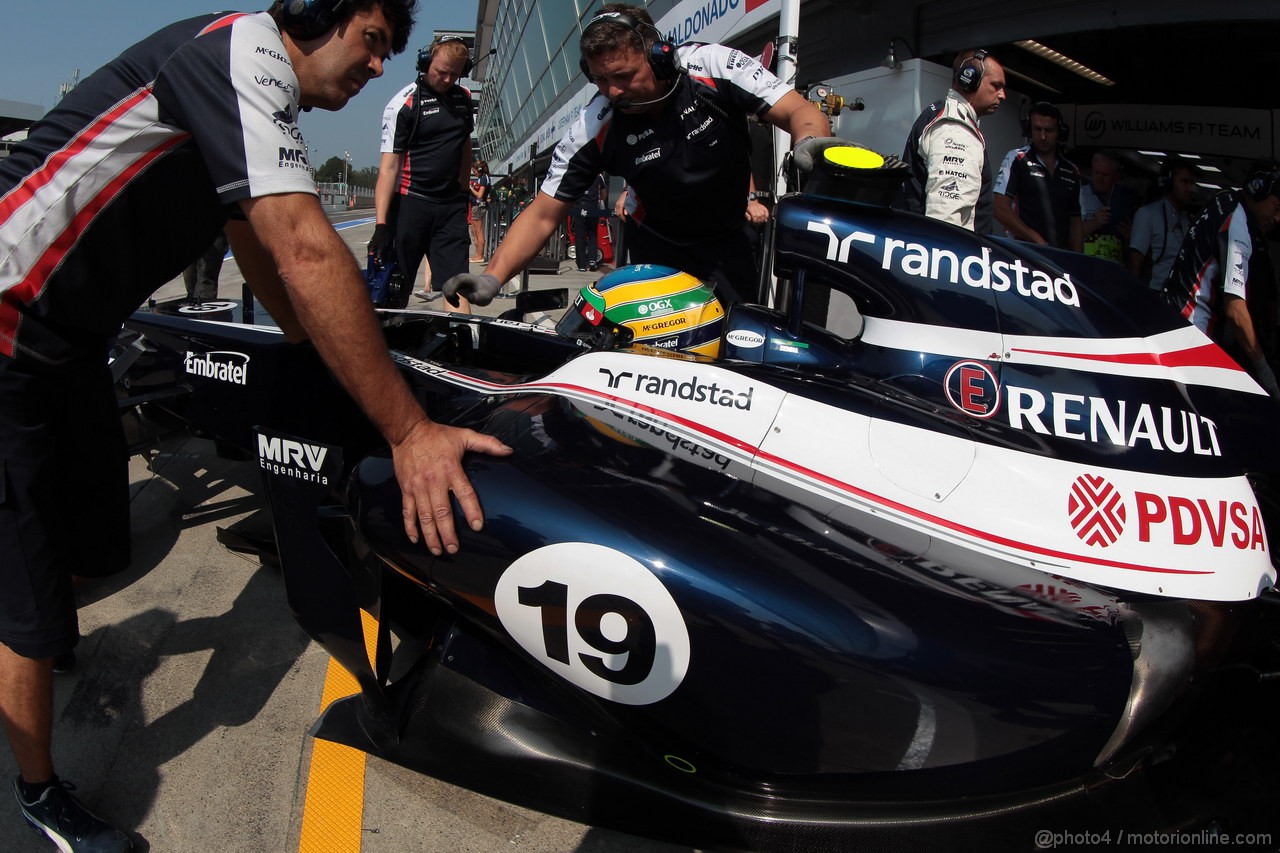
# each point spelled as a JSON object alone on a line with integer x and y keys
{"x": 1098, "y": 514}
{"x": 1096, "y": 510}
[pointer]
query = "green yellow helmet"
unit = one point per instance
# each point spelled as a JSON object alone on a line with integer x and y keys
{"x": 651, "y": 305}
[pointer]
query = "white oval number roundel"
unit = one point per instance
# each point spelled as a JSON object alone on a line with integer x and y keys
{"x": 597, "y": 618}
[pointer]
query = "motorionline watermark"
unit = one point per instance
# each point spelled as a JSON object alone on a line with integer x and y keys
{"x": 1048, "y": 839}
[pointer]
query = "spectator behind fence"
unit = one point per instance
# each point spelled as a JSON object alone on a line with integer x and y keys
{"x": 478, "y": 188}
{"x": 1038, "y": 190}
{"x": 950, "y": 170}
{"x": 1106, "y": 210}
{"x": 1222, "y": 279}
{"x": 1159, "y": 227}
{"x": 679, "y": 139}
{"x": 586, "y": 226}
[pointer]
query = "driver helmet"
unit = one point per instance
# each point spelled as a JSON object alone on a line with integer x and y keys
{"x": 647, "y": 304}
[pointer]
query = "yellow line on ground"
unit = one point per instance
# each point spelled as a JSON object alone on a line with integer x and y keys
{"x": 333, "y": 815}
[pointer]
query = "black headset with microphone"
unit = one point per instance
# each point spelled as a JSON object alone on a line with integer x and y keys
{"x": 1262, "y": 184}
{"x": 972, "y": 68}
{"x": 428, "y": 53}
{"x": 1045, "y": 108}
{"x": 309, "y": 19}
{"x": 660, "y": 52}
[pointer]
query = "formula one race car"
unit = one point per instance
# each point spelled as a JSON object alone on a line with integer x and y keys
{"x": 992, "y": 558}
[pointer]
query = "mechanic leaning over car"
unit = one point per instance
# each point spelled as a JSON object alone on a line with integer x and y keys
{"x": 117, "y": 189}
{"x": 1222, "y": 281}
{"x": 671, "y": 120}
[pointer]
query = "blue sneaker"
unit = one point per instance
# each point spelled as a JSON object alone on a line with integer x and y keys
{"x": 68, "y": 824}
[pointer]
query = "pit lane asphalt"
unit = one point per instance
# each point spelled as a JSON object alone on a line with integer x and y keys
{"x": 185, "y": 721}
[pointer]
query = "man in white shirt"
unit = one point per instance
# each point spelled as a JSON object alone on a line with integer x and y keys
{"x": 950, "y": 172}
{"x": 1159, "y": 227}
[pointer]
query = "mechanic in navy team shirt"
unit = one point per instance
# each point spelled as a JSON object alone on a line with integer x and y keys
{"x": 672, "y": 122}
{"x": 1037, "y": 191}
{"x": 428, "y": 166}
{"x": 1222, "y": 279}
{"x": 117, "y": 189}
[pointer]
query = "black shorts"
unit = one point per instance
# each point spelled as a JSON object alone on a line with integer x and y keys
{"x": 64, "y": 497}
{"x": 437, "y": 230}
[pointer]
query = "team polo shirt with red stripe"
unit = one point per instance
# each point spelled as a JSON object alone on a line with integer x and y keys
{"x": 1213, "y": 261}
{"x": 130, "y": 177}
{"x": 431, "y": 131}
{"x": 689, "y": 167}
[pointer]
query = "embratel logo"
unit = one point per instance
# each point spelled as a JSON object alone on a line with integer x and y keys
{"x": 1096, "y": 510}
{"x": 230, "y": 367}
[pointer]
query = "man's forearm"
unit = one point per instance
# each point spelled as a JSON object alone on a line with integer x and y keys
{"x": 1008, "y": 217}
{"x": 384, "y": 190}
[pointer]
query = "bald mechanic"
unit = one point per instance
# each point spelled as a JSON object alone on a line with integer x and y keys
{"x": 951, "y": 174}
{"x": 117, "y": 189}
{"x": 672, "y": 122}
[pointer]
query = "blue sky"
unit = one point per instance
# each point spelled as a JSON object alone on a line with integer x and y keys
{"x": 47, "y": 40}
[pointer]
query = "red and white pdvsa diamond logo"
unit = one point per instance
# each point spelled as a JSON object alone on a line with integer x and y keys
{"x": 1096, "y": 510}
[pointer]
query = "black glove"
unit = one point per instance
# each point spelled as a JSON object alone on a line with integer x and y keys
{"x": 479, "y": 289}
{"x": 1266, "y": 377}
{"x": 809, "y": 149}
{"x": 378, "y": 242}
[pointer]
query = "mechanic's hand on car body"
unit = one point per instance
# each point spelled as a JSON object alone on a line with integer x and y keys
{"x": 378, "y": 242}
{"x": 479, "y": 288}
{"x": 428, "y": 465}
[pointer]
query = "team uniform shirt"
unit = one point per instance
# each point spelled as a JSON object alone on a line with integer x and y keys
{"x": 388, "y": 142}
{"x": 431, "y": 131}
{"x": 688, "y": 170}
{"x": 1045, "y": 202}
{"x": 1213, "y": 261}
{"x": 153, "y": 147}
{"x": 1158, "y": 230}
{"x": 950, "y": 173}
{"x": 1106, "y": 242}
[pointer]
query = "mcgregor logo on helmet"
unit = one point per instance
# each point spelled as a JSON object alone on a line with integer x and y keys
{"x": 1098, "y": 513}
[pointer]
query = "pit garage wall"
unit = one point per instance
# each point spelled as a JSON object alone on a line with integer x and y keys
{"x": 893, "y": 99}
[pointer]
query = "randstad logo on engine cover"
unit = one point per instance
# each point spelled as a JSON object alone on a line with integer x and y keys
{"x": 978, "y": 271}
{"x": 691, "y": 389}
{"x": 230, "y": 367}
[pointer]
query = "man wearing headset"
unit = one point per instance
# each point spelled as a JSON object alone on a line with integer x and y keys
{"x": 189, "y": 132}
{"x": 672, "y": 122}
{"x": 950, "y": 170}
{"x": 1037, "y": 191}
{"x": 426, "y": 161}
{"x": 1221, "y": 280}
{"x": 1158, "y": 228}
